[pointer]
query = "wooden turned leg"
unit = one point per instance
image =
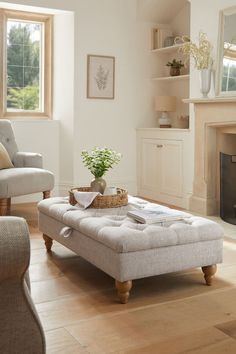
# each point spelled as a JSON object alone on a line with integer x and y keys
{"x": 8, "y": 206}
{"x": 123, "y": 289}
{"x": 46, "y": 194}
{"x": 3, "y": 206}
{"x": 48, "y": 242}
{"x": 209, "y": 272}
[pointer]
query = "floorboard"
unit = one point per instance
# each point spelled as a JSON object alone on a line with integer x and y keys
{"x": 168, "y": 314}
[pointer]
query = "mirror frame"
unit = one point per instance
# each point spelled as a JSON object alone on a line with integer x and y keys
{"x": 220, "y": 52}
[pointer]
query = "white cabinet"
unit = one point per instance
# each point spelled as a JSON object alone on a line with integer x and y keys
{"x": 171, "y": 168}
{"x": 161, "y": 166}
{"x": 161, "y": 161}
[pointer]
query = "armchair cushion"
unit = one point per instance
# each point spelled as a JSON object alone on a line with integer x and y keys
{"x": 27, "y": 159}
{"x": 7, "y": 137}
{"x": 5, "y": 161}
{"x": 20, "y": 181}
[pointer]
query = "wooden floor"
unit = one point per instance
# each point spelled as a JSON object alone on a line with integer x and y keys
{"x": 169, "y": 314}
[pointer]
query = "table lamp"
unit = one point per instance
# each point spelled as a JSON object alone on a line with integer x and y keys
{"x": 165, "y": 104}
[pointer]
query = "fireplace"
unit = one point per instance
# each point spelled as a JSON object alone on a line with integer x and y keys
{"x": 215, "y": 132}
{"x": 228, "y": 188}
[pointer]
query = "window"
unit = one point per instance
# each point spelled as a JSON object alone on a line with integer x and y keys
{"x": 26, "y": 57}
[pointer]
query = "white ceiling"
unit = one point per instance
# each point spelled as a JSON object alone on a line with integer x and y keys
{"x": 160, "y": 11}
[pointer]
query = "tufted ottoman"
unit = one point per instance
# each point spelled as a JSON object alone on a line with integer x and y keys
{"x": 127, "y": 250}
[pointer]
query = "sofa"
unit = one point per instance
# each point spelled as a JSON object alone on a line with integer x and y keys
{"x": 20, "y": 327}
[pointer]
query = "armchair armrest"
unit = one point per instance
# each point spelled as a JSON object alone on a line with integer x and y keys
{"x": 27, "y": 159}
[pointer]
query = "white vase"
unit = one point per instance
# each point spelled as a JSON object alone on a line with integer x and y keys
{"x": 205, "y": 82}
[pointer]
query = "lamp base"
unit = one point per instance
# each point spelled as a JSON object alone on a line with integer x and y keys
{"x": 164, "y": 121}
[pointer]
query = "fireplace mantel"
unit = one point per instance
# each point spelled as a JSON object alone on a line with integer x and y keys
{"x": 213, "y": 118}
{"x": 210, "y": 100}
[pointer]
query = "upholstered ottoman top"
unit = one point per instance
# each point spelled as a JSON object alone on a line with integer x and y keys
{"x": 114, "y": 229}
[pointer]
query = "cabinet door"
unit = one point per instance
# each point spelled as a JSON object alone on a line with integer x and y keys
{"x": 171, "y": 170}
{"x": 150, "y": 165}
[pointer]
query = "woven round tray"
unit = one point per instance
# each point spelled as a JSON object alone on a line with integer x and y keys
{"x": 102, "y": 201}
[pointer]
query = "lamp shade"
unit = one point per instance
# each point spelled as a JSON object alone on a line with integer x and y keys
{"x": 165, "y": 103}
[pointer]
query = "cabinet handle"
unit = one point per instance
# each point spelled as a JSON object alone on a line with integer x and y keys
{"x": 159, "y": 146}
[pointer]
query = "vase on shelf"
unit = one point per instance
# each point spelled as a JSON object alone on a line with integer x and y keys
{"x": 98, "y": 185}
{"x": 205, "y": 82}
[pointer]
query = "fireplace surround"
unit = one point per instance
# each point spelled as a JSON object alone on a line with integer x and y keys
{"x": 215, "y": 132}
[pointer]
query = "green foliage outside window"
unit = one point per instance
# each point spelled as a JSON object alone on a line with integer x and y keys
{"x": 23, "y": 66}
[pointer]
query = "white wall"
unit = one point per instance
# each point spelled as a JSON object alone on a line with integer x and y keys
{"x": 112, "y": 29}
{"x": 42, "y": 137}
{"x": 63, "y": 98}
{"x": 180, "y": 24}
{"x": 105, "y": 27}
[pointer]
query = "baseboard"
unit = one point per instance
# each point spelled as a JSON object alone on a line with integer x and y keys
{"x": 64, "y": 187}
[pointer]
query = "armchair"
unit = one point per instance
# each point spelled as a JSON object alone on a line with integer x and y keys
{"x": 26, "y": 177}
{"x": 20, "y": 327}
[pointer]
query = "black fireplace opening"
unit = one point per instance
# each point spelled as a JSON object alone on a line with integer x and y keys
{"x": 228, "y": 188}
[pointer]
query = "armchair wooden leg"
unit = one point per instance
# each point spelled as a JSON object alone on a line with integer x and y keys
{"x": 3, "y": 206}
{"x": 46, "y": 194}
{"x": 48, "y": 242}
{"x": 209, "y": 272}
{"x": 123, "y": 289}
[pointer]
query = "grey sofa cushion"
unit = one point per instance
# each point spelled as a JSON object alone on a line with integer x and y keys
{"x": 114, "y": 229}
{"x": 20, "y": 181}
{"x": 7, "y": 138}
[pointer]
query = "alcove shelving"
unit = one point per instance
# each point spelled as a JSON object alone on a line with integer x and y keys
{"x": 172, "y": 78}
{"x": 163, "y": 83}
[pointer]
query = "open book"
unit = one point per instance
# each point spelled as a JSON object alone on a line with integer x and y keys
{"x": 151, "y": 216}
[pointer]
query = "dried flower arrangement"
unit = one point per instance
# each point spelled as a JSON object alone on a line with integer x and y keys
{"x": 200, "y": 52}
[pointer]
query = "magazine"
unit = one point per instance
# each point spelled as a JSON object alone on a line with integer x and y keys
{"x": 151, "y": 216}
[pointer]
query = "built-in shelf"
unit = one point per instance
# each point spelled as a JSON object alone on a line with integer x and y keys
{"x": 165, "y": 129}
{"x": 171, "y": 78}
{"x": 166, "y": 49}
{"x": 210, "y": 100}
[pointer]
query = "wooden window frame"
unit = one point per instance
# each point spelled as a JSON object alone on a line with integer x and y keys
{"x": 46, "y": 113}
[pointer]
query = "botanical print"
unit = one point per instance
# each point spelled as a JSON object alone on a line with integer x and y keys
{"x": 100, "y": 77}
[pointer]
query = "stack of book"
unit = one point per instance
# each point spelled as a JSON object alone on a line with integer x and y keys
{"x": 158, "y": 37}
{"x": 152, "y": 216}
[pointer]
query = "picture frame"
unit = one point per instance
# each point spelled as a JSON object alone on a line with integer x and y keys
{"x": 100, "y": 76}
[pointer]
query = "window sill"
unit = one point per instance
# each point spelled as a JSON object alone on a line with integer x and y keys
{"x": 26, "y": 116}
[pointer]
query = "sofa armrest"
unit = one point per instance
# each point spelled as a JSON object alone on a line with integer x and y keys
{"x": 20, "y": 327}
{"x": 27, "y": 159}
{"x": 14, "y": 247}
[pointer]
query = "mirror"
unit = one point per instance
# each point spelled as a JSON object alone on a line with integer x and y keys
{"x": 226, "y": 64}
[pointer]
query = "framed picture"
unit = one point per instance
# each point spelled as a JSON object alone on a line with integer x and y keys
{"x": 100, "y": 77}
